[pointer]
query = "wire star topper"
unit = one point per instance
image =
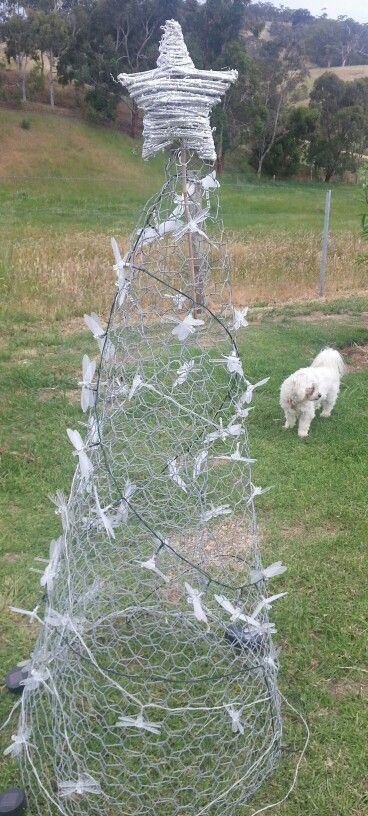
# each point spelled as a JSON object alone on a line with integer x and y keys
{"x": 177, "y": 98}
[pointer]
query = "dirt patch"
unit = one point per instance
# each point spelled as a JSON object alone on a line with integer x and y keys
{"x": 55, "y": 392}
{"x": 298, "y": 532}
{"x": 231, "y": 539}
{"x": 73, "y": 395}
{"x": 72, "y": 326}
{"x": 21, "y": 454}
{"x": 322, "y": 316}
{"x": 345, "y": 689}
{"x": 48, "y": 394}
{"x": 260, "y": 313}
{"x": 10, "y": 558}
{"x": 25, "y": 355}
{"x": 223, "y": 552}
{"x": 356, "y": 356}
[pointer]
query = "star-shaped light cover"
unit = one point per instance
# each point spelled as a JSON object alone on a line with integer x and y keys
{"x": 177, "y": 98}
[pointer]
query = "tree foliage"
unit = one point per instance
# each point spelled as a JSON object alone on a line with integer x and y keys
{"x": 342, "y": 132}
{"x": 290, "y": 150}
{"x": 278, "y": 69}
{"x": 19, "y": 36}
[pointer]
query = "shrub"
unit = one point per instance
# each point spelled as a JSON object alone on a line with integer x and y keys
{"x": 100, "y": 106}
{"x": 35, "y": 82}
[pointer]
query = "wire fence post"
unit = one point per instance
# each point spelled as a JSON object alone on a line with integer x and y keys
{"x": 326, "y": 227}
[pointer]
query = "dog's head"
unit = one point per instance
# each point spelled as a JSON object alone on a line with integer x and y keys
{"x": 304, "y": 387}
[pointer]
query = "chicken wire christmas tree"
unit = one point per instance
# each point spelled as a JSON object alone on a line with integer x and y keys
{"x": 152, "y": 686}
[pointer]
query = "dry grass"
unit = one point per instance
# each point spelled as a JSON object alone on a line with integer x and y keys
{"x": 57, "y": 275}
{"x": 61, "y": 147}
{"x": 347, "y": 74}
{"x": 279, "y": 269}
{"x": 356, "y": 357}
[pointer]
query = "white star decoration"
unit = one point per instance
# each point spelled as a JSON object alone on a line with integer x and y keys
{"x": 177, "y": 98}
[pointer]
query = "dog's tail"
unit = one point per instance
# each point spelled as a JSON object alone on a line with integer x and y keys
{"x": 330, "y": 358}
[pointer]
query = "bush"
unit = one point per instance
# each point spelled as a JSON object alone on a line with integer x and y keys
{"x": 25, "y": 124}
{"x": 35, "y": 82}
{"x": 100, "y": 105}
{"x": 363, "y": 257}
{"x": 283, "y": 159}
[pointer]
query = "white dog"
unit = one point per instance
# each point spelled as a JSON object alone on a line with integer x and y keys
{"x": 311, "y": 388}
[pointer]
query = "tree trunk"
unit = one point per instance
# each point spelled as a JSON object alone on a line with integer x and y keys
{"x": 42, "y": 63}
{"x": 22, "y": 76}
{"x": 220, "y": 158}
{"x": 328, "y": 174}
{"x": 134, "y": 120}
{"x": 260, "y": 165}
{"x": 51, "y": 79}
{"x": 24, "y": 86}
{"x": 220, "y": 163}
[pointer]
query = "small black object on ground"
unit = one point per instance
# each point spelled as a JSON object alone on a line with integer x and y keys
{"x": 13, "y": 802}
{"x": 243, "y": 638}
{"x": 14, "y": 678}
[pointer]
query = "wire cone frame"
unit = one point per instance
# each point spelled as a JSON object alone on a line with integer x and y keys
{"x": 152, "y": 687}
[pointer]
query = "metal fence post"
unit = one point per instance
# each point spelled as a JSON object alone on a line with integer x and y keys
{"x": 326, "y": 227}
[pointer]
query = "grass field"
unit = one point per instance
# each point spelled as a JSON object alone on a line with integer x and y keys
{"x": 66, "y": 187}
{"x": 315, "y": 520}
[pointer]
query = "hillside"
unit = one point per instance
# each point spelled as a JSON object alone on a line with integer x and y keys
{"x": 348, "y": 73}
{"x": 74, "y": 174}
{"x": 59, "y": 146}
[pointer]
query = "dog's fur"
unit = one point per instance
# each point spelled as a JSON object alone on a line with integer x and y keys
{"x": 311, "y": 388}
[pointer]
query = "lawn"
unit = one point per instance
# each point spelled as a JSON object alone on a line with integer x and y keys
{"x": 314, "y": 519}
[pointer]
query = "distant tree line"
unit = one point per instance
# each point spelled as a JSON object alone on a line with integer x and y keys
{"x": 86, "y": 43}
{"x": 323, "y": 42}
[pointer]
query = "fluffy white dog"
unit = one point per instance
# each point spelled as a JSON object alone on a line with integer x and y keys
{"x": 311, "y": 388}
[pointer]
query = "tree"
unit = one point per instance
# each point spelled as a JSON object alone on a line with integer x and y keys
{"x": 115, "y": 36}
{"x": 301, "y": 17}
{"x": 322, "y": 42}
{"x": 356, "y": 94}
{"x": 279, "y": 71}
{"x": 352, "y": 38}
{"x": 291, "y": 147}
{"x": 215, "y": 25}
{"x": 363, "y": 257}
{"x": 52, "y": 36}
{"x": 231, "y": 118}
{"x": 336, "y": 42}
{"x": 342, "y": 132}
{"x": 112, "y": 37}
{"x": 19, "y": 35}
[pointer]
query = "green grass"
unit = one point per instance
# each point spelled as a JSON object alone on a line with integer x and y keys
{"x": 257, "y": 208}
{"x": 289, "y": 207}
{"x": 74, "y": 176}
{"x": 314, "y": 519}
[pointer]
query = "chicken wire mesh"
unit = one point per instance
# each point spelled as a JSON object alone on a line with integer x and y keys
{"x": 152, "y": 687}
